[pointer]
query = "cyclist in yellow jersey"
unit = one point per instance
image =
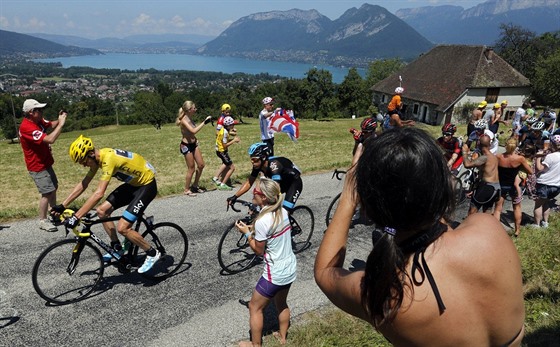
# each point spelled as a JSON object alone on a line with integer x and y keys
{"x": 137, "y": 191}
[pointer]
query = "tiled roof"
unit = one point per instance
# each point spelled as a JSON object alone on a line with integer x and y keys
{"x": 440, "y": 76}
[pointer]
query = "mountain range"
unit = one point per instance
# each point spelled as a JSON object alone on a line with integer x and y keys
{"x": 368, "y": 32}
{"x": 355, "y": 38}
{"x": 481, "y": 24}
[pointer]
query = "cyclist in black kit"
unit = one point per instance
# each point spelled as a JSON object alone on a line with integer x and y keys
{"x": 279, "y": 169}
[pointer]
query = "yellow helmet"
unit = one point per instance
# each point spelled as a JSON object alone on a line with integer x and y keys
{"x": 226, "y": 107}
{"x": 79, "y": 148}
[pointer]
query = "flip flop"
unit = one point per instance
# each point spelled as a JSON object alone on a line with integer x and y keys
{"x": 189, "y": 193}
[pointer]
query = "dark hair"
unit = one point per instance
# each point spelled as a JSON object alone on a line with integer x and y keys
{"x": 404, "y": 184}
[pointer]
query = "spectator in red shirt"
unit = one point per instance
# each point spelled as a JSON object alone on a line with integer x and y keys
{"x": 36, "y": 145}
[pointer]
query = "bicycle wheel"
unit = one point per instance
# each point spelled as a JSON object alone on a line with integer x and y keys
{"x": 303, "y": 223}
{"x": 332, "y": 208}
{"x": 172, "y": 242}
{"x": 62, "y": 276}
{"x": 234, "y": 252}
{"x": 463, "y": 186}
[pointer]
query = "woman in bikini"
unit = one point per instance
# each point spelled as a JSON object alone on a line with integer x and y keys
{"x": 425, "y": 283}
{"x": 509, "y": 164}
{"x": 189, "y": 146}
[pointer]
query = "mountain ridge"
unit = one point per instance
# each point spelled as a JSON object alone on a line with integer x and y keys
{"x": 306, "y": 35}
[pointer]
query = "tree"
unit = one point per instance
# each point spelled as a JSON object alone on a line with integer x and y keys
{"x": 353, "y": 95}
{"x": 164, "y": 90}
{"x": 7, "y": 121}
{"x": 148, "y": 108}
{"x": 378, "y": 70}
{"x": 517, "y": 46}
{"x": 546, "y": 81}
{"x": 318, "y": 90}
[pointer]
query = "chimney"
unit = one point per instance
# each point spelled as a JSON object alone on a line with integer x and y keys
{"x": 488, "y": 54}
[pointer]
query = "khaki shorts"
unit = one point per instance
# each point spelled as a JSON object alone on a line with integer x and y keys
{"x": 45, "y": 180}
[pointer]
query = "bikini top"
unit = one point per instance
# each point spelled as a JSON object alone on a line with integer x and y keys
{"x": 417, "y": 244}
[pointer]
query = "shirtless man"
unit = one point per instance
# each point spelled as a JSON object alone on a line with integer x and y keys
{"x": 476, "y": 115}
{"x": 488, "y": 190}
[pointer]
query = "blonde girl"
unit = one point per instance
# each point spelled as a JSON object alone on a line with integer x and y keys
{"x": 270, "y": 236}
{"x": 189, "y": 146}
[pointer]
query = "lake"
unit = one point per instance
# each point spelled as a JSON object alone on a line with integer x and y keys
{"x": 228, "y": 65}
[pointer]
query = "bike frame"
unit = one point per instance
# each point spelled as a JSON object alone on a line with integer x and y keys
{"x": 86, "y": 233}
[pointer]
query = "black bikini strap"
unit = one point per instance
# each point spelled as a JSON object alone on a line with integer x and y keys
{"x": 421, "y": 269}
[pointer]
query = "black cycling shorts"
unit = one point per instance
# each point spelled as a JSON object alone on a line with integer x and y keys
{"x": 292, "y": 194}
{"x": 137, "y": 199}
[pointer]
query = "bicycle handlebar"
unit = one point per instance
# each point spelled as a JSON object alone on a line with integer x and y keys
{"x": 337, "y": 173}
{"x": 249, "y": 204}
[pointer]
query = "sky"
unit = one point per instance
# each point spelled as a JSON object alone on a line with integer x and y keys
{"x": 95, "y": 19}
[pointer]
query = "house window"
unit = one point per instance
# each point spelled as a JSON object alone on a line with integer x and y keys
{"x": 492, "y": 95}
{"x": 415, "y": 109}
{"x": 384, "y": 99}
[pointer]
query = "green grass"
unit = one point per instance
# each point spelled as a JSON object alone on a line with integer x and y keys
{"x": 321, "y": 147}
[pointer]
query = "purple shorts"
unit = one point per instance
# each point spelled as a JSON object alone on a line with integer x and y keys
{"x": 268, "y": 289}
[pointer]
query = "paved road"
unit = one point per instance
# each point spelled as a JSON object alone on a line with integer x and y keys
{"x": 196, "y": 307}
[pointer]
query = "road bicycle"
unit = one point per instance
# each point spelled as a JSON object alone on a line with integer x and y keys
{"x": 235, "y": 254}
{"x": 70, "y": 269}
{"x": 334, "y": 203}
{"x": 465, "y": 183}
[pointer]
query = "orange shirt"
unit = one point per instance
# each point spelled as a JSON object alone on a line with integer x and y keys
{"x": 395, "y": 103}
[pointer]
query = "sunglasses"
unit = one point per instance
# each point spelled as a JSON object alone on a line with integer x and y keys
{"x": 258, "y": 192}
{"x": 447, "y": 134}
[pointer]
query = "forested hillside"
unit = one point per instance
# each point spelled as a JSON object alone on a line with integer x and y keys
{"x": 15, "y": 44}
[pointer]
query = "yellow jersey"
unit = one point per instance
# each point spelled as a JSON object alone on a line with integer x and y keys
{"x": 222, "y": 137}
{"x": 125, "y": 166}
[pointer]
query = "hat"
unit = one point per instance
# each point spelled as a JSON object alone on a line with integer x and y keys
{"x": 496, "y": 105}
{"x": 482, "y": 104}
{"x": 31, "y": 104}
{"x": 267, "y": 100}
{"x": 504, "y": 102}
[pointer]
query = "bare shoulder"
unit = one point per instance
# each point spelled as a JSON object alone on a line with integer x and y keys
{"x": 481, "y": 226}
{"x": 483, "y": 239}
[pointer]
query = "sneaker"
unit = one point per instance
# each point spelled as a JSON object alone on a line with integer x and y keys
{"x": 149, "y": 263}
{"x": 544, "y": 224}
{"x": 44, "y": 224}
{"x": 216, "y": 181}
{"x": 107, "y": 256}
{"x": 534, "y": 226}
{"x": 224, "y": 186}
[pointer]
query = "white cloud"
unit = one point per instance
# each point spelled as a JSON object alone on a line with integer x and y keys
{"x": 36, "y": 24}
{"x": 4, "y": 22}
{"x": 178, "y": 22}
{"x": 142, "y": 20}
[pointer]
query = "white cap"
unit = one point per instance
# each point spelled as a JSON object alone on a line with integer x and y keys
{"x": 30, "y": 104}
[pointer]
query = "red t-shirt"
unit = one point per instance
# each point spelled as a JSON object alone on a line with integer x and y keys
{"x": 37, "y": 154}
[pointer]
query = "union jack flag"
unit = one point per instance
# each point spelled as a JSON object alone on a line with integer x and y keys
{"x": 285, "y": 121}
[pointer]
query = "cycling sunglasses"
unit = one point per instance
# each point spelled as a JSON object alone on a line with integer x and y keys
{"x": 258, "y": 192}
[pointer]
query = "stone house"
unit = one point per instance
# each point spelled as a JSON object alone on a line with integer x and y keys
{"x": 443, "y": 83}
